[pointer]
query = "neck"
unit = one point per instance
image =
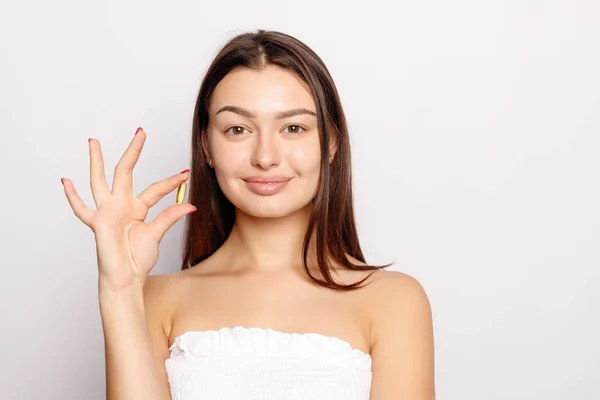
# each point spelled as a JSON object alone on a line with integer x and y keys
{"x": 268, "y": 244}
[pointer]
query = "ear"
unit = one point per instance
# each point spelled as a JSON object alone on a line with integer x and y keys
{"x": 205, "y": 146}
{"x": 333, "y": 144}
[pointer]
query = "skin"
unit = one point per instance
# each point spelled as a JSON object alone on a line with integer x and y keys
{"x": 256, "y": 279}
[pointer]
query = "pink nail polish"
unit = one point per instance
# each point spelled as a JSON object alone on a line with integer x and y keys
{"x": 138, "y": 129}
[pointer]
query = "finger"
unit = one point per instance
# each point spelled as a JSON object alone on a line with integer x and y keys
{"x": 167, "y": 218}
{"x": 100, "y": 190}
{"x": 83, "y": 212}
{"x": 158, "y": 190}
{"x": 123, "y": 171}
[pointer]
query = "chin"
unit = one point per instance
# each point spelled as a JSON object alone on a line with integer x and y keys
{"x": 269, "y": 207}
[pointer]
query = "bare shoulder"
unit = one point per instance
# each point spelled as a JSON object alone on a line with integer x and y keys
{"x": 159, "y": 287}
{"x": 388, "y": 287}
{"x": 397, "y": 296}
{"x": 389, "y": 296}
{"x": 396, "y": 288}
{"x": 162, "y": 293}
{"x": 402, "y": 338}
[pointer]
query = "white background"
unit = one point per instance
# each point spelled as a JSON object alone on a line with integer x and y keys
{"x": 475, "y": 134}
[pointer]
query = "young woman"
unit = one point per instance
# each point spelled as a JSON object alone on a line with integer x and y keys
{"x": 274, "y": 300}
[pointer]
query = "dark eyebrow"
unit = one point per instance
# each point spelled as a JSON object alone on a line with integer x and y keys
{"x": 284, "y": 114}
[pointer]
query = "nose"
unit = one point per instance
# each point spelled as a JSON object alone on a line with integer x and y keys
{"x": 267, "y": 152}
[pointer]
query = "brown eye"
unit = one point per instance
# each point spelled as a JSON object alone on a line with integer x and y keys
{"x": 236, "y": 130}
{"x": 295, "y": 128}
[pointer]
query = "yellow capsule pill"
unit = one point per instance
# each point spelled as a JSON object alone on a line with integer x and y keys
{"x": 180, "y": 192}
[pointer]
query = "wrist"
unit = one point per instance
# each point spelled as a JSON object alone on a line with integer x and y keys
{"x": 105, "y": 286}
{"x": 125, "y": 295}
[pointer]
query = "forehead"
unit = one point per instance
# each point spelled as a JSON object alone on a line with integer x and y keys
{"x": 265, "y": 91}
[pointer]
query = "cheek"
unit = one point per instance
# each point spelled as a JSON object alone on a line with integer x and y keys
{"x": 305, "y": 160}
{"x": 230, "y": 157}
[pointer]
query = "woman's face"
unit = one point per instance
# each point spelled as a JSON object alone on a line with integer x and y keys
{"x": 264, "y": 141}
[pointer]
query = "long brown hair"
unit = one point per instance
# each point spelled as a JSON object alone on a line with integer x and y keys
{"x": 332, "y": 217}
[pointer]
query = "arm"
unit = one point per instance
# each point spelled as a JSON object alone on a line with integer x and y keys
{"x": 127, "y": 250}
{"x": 133, "y": 346}
{"x": 402, "y": 351}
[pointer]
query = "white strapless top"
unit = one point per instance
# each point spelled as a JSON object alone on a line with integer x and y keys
{"x": 255, "y": 363}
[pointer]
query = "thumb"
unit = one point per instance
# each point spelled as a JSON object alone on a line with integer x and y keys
{"x": 167, "y": 218}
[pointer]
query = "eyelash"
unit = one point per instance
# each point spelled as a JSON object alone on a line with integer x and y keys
{"x": 293, "y": 133}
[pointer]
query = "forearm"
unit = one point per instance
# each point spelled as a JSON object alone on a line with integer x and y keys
{"x": 131, "y": 370}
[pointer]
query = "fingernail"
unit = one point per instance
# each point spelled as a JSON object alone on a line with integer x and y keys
{"x": 62, "y": 181}
{"x": 89, "y": 140}
{"x": 191, "y": 211}
{"x": 184, "y": 171}
{"x": 138, "y": 129}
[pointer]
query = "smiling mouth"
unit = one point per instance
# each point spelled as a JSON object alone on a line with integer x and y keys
{"x": 266, "y": 186}
{"x": 266, "y": 180}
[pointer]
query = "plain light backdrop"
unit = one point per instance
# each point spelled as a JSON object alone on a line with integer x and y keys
{"x": 476, "y": 159}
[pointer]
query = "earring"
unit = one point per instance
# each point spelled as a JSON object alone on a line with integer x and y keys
{"x": 330, "y": 158}
{"x": 210, "y": 162}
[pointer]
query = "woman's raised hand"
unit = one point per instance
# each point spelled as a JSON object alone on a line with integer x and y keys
{"x": 126, "y": 246}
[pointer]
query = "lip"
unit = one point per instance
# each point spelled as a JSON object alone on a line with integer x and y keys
{"x": 267, "y": 179}
{"x": 266, "y": 186}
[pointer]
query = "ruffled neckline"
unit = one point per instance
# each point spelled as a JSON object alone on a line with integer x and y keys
{"x": 242, "y": 341}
